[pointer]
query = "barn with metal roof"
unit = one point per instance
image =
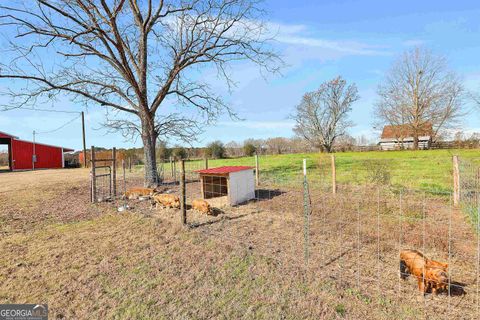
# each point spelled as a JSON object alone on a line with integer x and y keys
{"x": 27, "y": 155}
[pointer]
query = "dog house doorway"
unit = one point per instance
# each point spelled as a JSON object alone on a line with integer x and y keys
{"x": 214, "y": 186}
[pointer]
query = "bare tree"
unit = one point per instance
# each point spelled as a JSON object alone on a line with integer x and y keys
{"x": 233, "y": 149}
{"x": 322, "y": 116}
{"x": 277, "y": 145}
{"x": 142, "y": 60}
{"x": 420, "y": 92}
{"x": 474, "y": 97}
{"x": 260, "y": 145}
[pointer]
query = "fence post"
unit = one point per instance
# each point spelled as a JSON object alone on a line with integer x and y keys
{"x": 306, "y": 213}
{"x": 456, "y": 181}
{"x": 257, "y": 170}
{"x": 114, "y": 173}
{"x": 92, "y": 174}
{"x": 174, "y": 170}
{"x": 130, "y": 164}
{"x": 334, "y": 175}
{"x": 183, "y": 200}
{"x": 124, "y": 182}
{"x": 206, "y": 162}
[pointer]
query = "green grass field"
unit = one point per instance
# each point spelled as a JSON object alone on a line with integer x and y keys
{"x": 429, "y": 170}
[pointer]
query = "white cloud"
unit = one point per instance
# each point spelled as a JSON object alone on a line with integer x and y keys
{"x": 300, "y": 35}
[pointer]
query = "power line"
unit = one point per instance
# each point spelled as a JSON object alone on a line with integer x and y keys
{"x": 42, "y": 110}
{"x": 59, "y": 128}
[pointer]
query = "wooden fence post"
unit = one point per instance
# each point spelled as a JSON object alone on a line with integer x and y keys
{"x": 130, "y": 164}
{"x": 456, "y": 181}
{"x": 206, "y": 162}
{"x": 114, "y": 173}
{"x": 257, "y": 170}
{"x": 92, "y": 174}
{"x": 124, "y": 178}
{"x": 85, "y": 161}
{"x": 174, "y": 170}
{"x": 334, "y": 175}
{"x": 183, "y": 200}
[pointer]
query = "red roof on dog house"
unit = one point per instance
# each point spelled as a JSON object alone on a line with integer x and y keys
{"x": 235, "y": 184}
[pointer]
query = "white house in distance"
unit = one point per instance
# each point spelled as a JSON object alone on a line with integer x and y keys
{"x": 232, "y": 184}
{"x": 401, "y": 137}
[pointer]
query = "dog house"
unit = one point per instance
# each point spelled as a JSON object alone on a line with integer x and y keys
{"x": 235, "y": 184}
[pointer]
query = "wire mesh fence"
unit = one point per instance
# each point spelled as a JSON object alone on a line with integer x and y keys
{"x": 347, "y": 240}
{"x": 469, "y": 187}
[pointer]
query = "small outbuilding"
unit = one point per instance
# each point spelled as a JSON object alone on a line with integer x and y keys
{"x": 398, "y": 137}
{"x": 235, "y": 184}
{"x": 27, "y": 155}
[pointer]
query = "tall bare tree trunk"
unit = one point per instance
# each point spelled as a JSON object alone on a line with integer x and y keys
{"x": 415, "y": 141}
{"x": 328, "y": 148}
{"x": 149, "y": 138}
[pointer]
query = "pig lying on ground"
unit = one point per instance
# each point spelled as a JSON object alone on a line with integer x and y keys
{"x": 135, "y": 193}
{"x": 167, "y": 200}
{"x": 202, "y": 206}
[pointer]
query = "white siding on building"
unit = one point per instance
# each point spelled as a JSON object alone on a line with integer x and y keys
{"x": 407, "y": 143}
{"x": 241, "y": 186}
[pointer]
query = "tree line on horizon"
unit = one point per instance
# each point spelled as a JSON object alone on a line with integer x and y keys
{"x": 281, "y": 145}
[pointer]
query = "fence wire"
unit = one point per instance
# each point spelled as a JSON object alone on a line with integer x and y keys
{"x": 352, "y": 239}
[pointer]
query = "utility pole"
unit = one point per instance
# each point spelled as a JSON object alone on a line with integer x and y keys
{"x": 34, "y": 157}
{"x": 84, "y": 144}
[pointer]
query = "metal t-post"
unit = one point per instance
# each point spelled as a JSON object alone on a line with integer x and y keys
{"x": 183, "y": 200}
{"x": 306, "y": 212}
{"x": 114, "y": 173}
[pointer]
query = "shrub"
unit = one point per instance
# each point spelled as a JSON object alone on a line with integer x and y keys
{"x": 378, "y": 172}
{"x": 216, "y": 150}
{"x": 249, "y": 149}
{"x": 163, "y": 152}
{"x": 179, "y": 153}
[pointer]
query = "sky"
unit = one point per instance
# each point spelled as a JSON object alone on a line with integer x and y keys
{"x": 318, "y": 40}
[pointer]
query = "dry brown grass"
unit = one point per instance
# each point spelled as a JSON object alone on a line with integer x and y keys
{"x": 90, "y": 262}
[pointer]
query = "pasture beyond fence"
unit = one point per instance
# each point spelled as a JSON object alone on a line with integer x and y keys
{"x": 346, "y": 234}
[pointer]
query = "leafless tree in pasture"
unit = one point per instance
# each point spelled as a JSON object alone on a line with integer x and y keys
{"x": 277, "y": 145}
{"x": 420, "y": 91}
{"x": 145, "y": 62}
{"x": 322, "y": 115}
{"x": 474, "y": 96}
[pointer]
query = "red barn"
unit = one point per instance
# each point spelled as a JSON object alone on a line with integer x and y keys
{"x": 26, "y": 155}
